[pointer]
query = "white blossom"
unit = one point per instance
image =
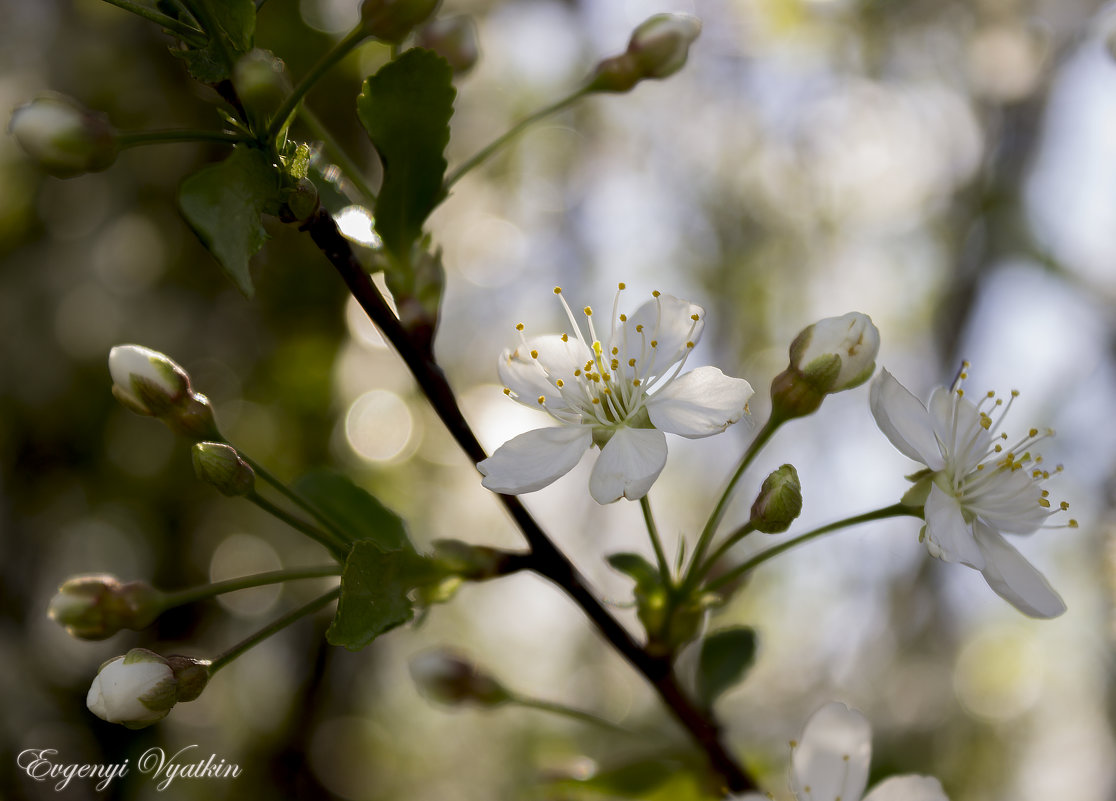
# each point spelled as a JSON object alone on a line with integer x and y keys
{"x": 830, "y": 763}
{"x": 145, "y": 380}
{"x": 975, "y": 486}
{"x": 851, "y": 338}
{"x": 619, "y": 393}
{"x": 135, "y": 690}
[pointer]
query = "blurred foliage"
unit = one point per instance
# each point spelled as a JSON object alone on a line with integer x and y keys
{"x": 813, "y": 157}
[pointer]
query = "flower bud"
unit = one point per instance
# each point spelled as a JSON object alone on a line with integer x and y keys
{"x": 261, "y": 84}
{"x": 452, "y": 38}
{"x": 832, "y": 355}
{"x": 63, "y": 137}
{"x": 220, "y": 465}
{"x": 779, "y": 501}
{"x": 300, "y": 202}
{"x": 658, "y": 49}
{"x": 95, "y": 607}
{"x": 450, "y": 679}
{"x": 391, "y": 20}
{"x": 151, "y": 384}
{"x": 135, "y": 690}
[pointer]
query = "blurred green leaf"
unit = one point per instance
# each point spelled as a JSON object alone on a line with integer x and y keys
{"x": 636, "y": 568}
{"x": 655, "y": 778}
{"x": 374, "y": 594}
{"x": 223, "y": 204}
{"x": 406, "y": 109}
{"x": 726, "y": 656}
{"x": 354, "y": 510}
{"x": 229, "y": 26}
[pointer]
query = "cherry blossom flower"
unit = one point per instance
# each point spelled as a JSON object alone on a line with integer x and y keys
{"x": 975, "y": 485}
{"x": 830, "y": 763}
{"x": 619, "y": 393}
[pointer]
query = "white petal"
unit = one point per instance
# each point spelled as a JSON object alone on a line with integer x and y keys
{"x": 629, "y": 464}
{"x": 1009, "y": 502}
{"x": 832, "y": 757}
{"x": 530, "y": 377}
{"x": 1015, "y": 579}
{"x": 534, "y": 459}
{"x": 948, "y": 536}
{"x": 908, "y": 788}
{"x": 699, "y": 403}
{"x": 669, "y": 322}
{"x": 957, "y": 424}
{"x": 904, "y": 420}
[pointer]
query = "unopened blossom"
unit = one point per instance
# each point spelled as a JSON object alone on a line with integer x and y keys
{"x": 830, "y": 763}
{"x": 63, "y": 137}
{"x": 135, "y": 690}
{"x": 151, "y": 383}
{"x": 619, "y": 389}
{"x": 658, "y": 48}
{"x": 976, "y": 486}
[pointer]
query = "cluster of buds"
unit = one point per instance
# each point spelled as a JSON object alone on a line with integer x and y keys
{"x": 63, "y": 137}
{"x": 658, "y": 49}
{"x": 97, "y": 606}
{"x": 832, "y": 355}
{"x": 151, "y": 384}
{"x": 141, "y": 687}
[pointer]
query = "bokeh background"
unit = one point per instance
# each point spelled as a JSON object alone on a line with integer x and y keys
{"x": 946, "y": 166}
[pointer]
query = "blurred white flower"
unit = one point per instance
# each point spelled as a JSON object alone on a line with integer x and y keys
{"x": 830, "y": 763}
{"x": 620, "y": 394}
{"x": 975, "y": 486}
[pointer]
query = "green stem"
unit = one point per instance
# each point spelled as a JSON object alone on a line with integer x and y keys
{"x": 567, "y": 712}
{"x": 181, "y": 597}
{"x": 137, "y": 138}
{"x": 481, "y": 156}
{"x": 337, "y": 154}
{"x": 336, "y": 546}
{"x": 897, "y": 510}
{"x": 719, "y": 510}
{"x": 297, "y": 500}
{"x": 656, "y": 542}
{"x": 188, "y": 33}
{"x": 735, "y": 537}
{"x": 270, "y": 629}
{"x": 339, "y": 51}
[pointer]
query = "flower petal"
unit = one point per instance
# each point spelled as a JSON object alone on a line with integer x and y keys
{"x": 904, "y": 420}
{"x": 948, "y": 536}
{"x": 629, "y": 464}
{"x": 699, "y": 403}
{"x": 831, "y": 760}
{"x": 529, "y": 377}
{"x": 1008, "y": 501}
{"x": 908, "y": 788}
{"x": 956, "y": 423}
{"x": 1015, "y": 579}
{"x": 666, "y": 320}
{"x": 534, "y": 459}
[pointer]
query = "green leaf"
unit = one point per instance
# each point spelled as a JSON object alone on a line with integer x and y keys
{"x": 636, "y": 568}
{"x": 223, "y": 204}
{"x": 374, "y": 594}
{"x": 353, "y": 510}
{"x": 661, "y": 777}
{"x": 406, "y": 109}
{"x": 229, "y": 26}
{"x": 725, "y": 657}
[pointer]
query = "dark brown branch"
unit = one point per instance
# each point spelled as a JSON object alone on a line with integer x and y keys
{"x": 544, "y": 557}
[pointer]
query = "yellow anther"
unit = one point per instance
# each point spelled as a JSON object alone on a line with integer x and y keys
{"x": 519, "y": 326}
{"x": 635, "y": 382}
{"x": 559, "y": 383}
{"x": 694, "y": 317}
{"x": 596, "y": 377}
{"x": 979, "y": 467}
{"x": 963, "y": 376}
{"x": 597, "y": 348}
{"x": 794, "y": 743}
{"x": 588, "y": 311}
{"x": 623, "y": 318}
{"x": 542, "y": 399}
{"x": 1033, "y": 432}
{"x": 654, "y": 343}
{"x": 607, "y": 377}
{"x": 655, "y": 294}
{"x": 621, "y": 286}
{"x": 557, "y": 290}
{"x": 1036, "y": 474}
{"x": 1046, "y": 493}
{"x": 507, "y": 391}
{"x": 999, "y": 401}
{"x": 615, "y": 364}
{"x": 596, "y": 400}
{"x": 1072, "y": 524}
{"x": 961, "y": 392}
{"x": 577, "y": 373}
{"x": 985, "y": 421}
{"x": 607, "y": 391}
{"x": 1045, "y": 474}
{"x": 1064, "y": 506}
{"x": 534, "y": 354}
{"x": 1015, "y": 393}
{"x": 1003, "y": 435}
{"x": 965, "y": 365}
{"x": 565, "y": 337}
{"x": 1045, "y": 504}
{"x": 631, "y": 362}
{"x": 615, "y": 351}
{"x": 991, "y": 394}
{"x": 998, "y": 448}
{"x": 639, "y": 328}
{"x": 689, "y": 344}
{"x": 845, "y": 757}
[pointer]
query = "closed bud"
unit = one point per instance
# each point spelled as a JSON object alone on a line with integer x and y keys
{"x": 220, "y": 465}
{"x": 300, "y": 202}
{"x": 261, "y": 84}
{"x": 658, "y": 49}
{"x": 95, "y": 607}
{"x": 452, "y": 38}
{"x": 134, "y": 690}
{"x": 473, "y": 562}
{"x": 191, "y": 675}
{"x": 779, "y": 501}
{"x": 151, "y": 384}
{"x": 64, "y": 138}
{"x": 391, "y": 20}
{"x": 832, "y": 355}
{"x": 450, "y": 679}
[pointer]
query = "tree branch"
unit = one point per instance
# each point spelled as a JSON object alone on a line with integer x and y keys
{"x": 544, "y": 557}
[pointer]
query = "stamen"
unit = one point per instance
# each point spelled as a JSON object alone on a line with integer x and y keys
{"x": 519, "y": 326}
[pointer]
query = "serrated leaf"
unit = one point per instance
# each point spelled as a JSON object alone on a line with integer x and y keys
{"x": 406, "y": 108}
{"x": 374, "y": 594}
{"x": 223, "y": 204}
{"x": 229, "y": 26}
{"x": 353, "y": 510}
{"x": 726, "y": 656}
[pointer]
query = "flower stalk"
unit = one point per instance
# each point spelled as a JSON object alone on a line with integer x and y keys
{"x": 273, "y": 628}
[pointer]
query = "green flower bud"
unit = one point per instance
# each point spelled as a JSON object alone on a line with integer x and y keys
{"x": 97, "y": 606}
{"x": 391, "y": 20}
{"x": 452, "y": 38}
{"x": 301, "y": 202}
{"x": 779, "y": 501}
{"x": 658, "y": 49}
{"x": 190, "y": 674}
{"x": 473, "y": 562}
{"x": 261, "y": 84}
{"x": 448, "y": 678}
{"x": 151, "y": 384}
{"x": 64, "y": 138}
{"x": 220, "y": 465}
